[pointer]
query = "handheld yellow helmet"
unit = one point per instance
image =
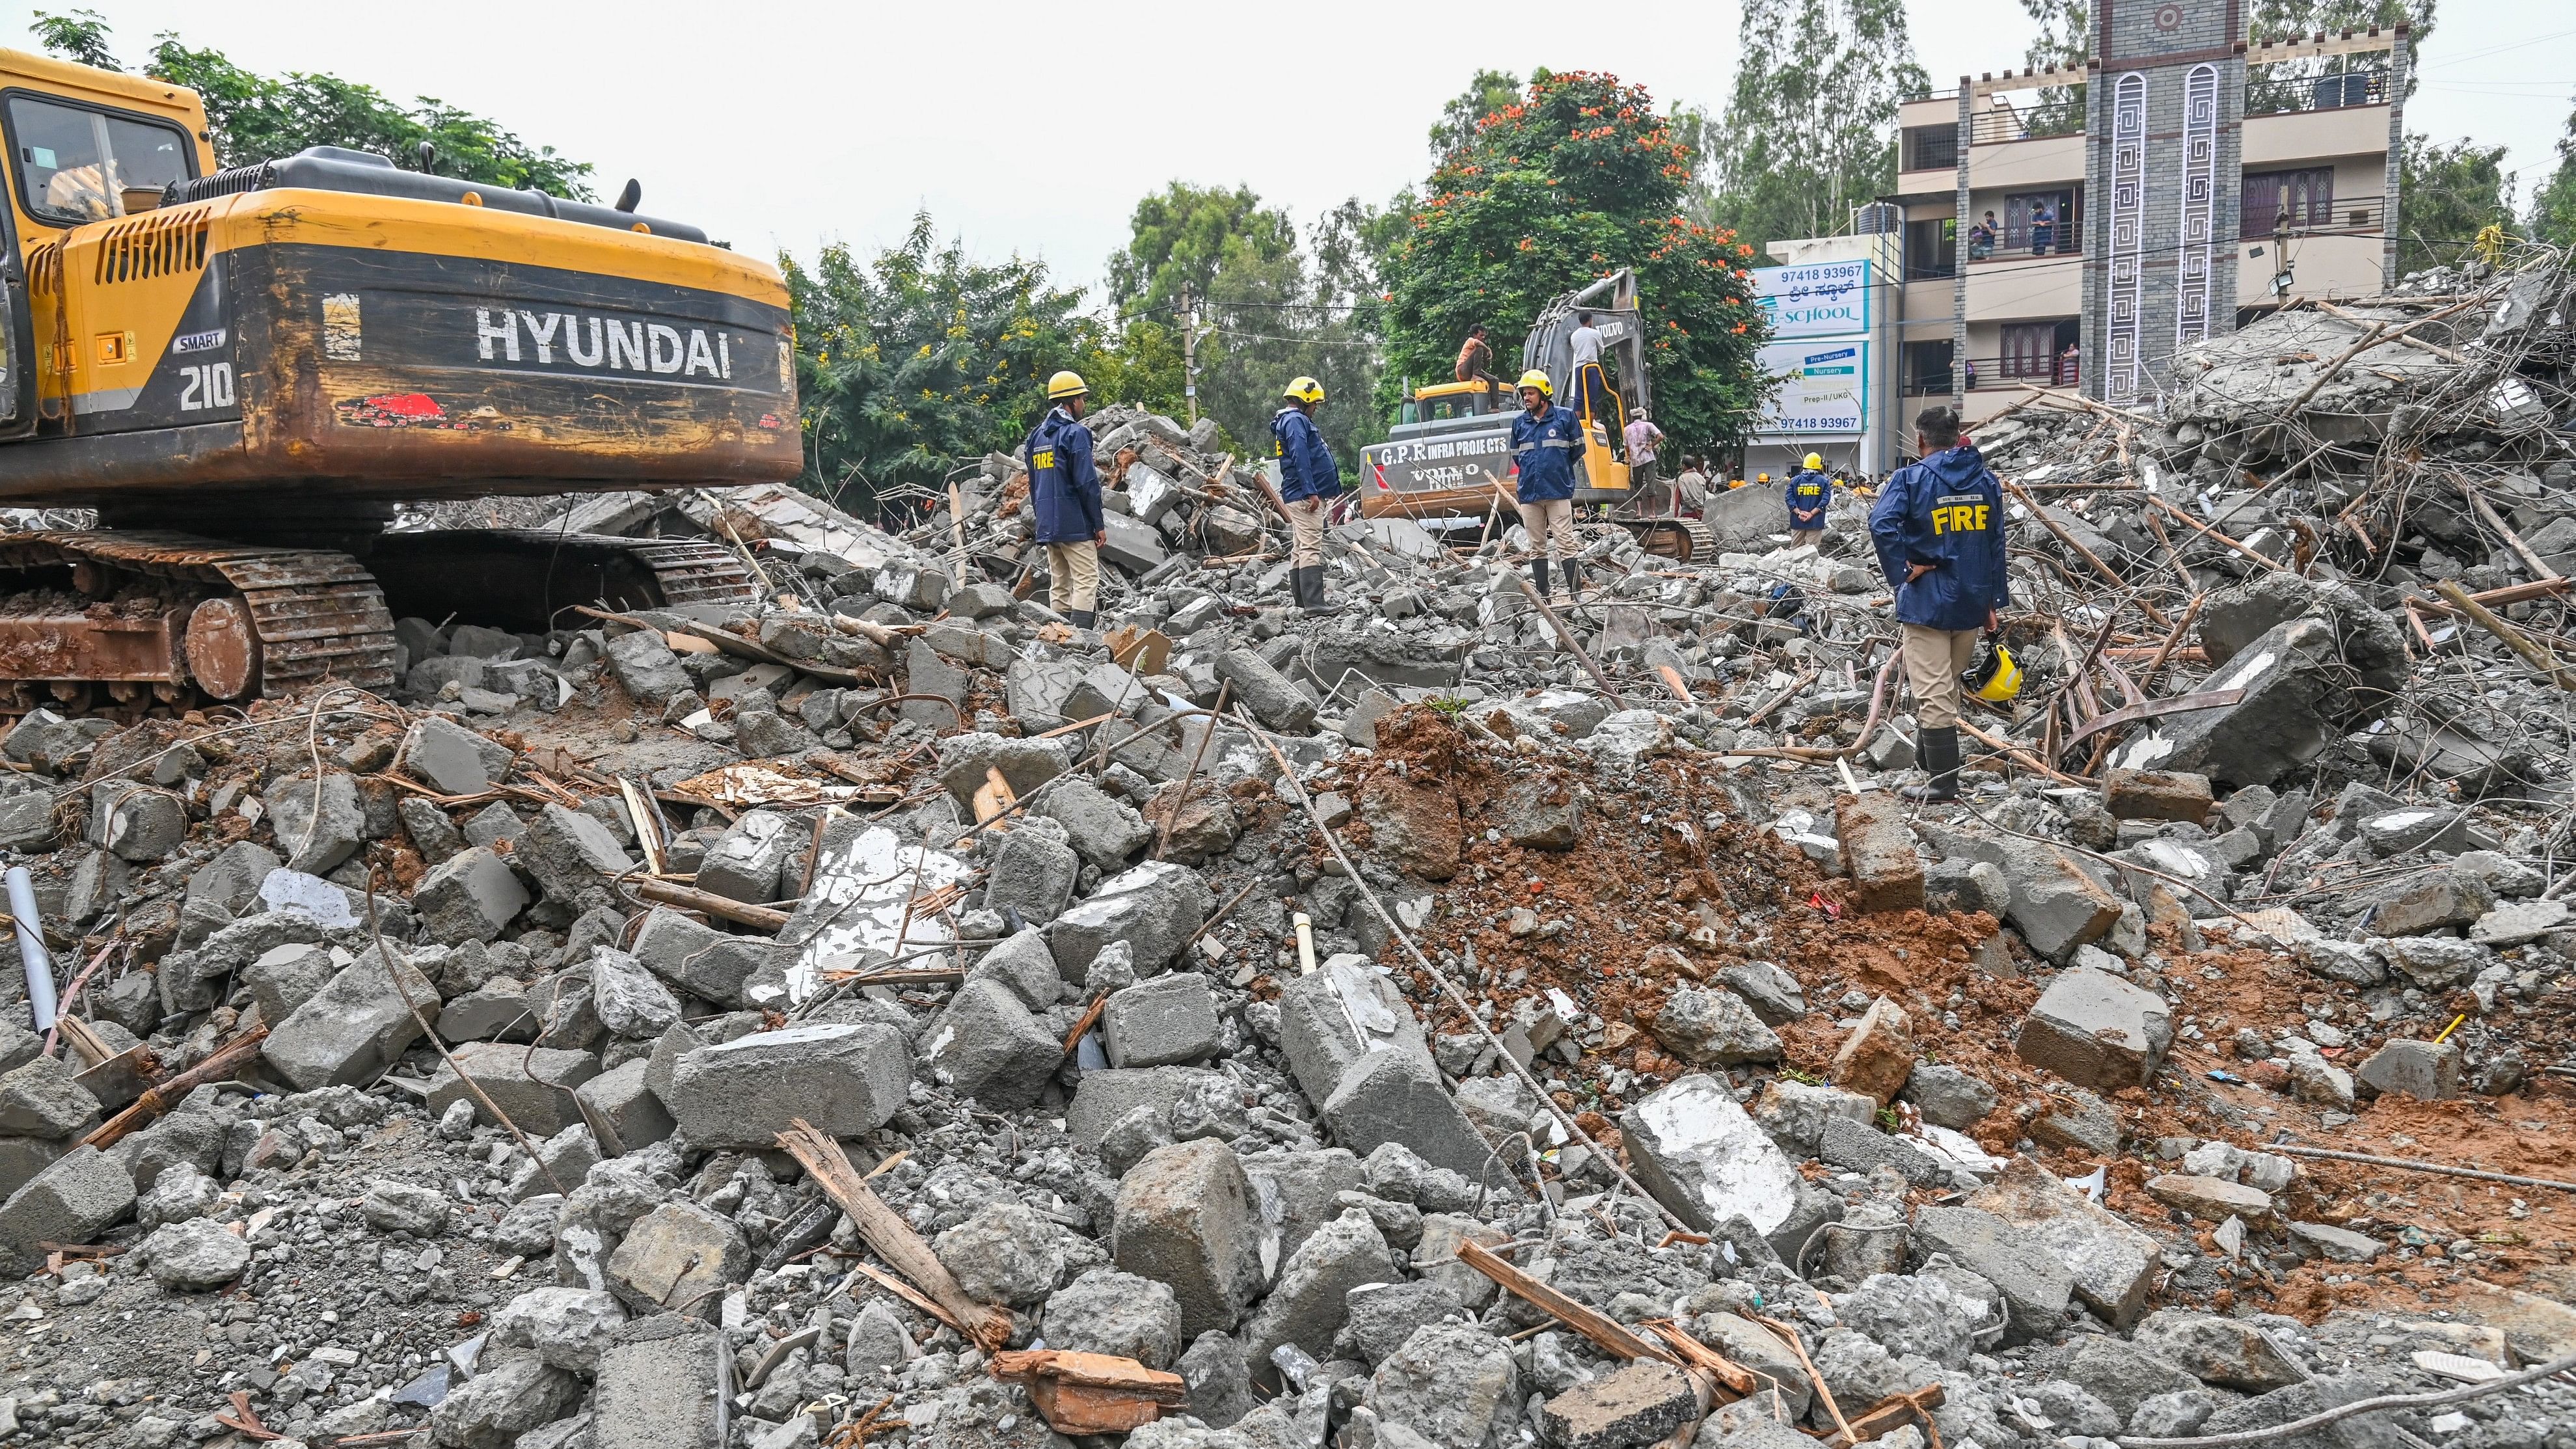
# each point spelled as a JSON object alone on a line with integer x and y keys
{"x": 1816, "y": 461}
{"x": 1304, "y": 390}
{"x": 1537, "y": 379}
{"x": 1066, "y": 384}
{"x": 1995, "y": 677}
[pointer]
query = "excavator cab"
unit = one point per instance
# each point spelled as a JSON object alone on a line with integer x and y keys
{"x": 245, "y": 370}
{"x": 1612, "y": 302}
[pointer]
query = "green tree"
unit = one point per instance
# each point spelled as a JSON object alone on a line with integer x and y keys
{"x": 1810, "y": 129}
{"x": 922, "y": 360}
{"x": 252, "y": 117}
{"x": 79, "y": 35}
{"x": 2446, "y": 196}
{"x": 2553, "y": 206}
{"x": 1579, "y": 178}
{"x": 1489, "y": 91}
{"x": 1267, "y": 311}
{"x": 2290, "y": 19}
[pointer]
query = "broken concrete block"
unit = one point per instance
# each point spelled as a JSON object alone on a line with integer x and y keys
{"x": 1714, "y": 1028}
{"x": 572, "y": 856}
{"x": 2035, "y": 1285}
{"x": 2214, "y": 1199}
{"x": 1033, "y": 873}
{"x": 451, "y": 759}
{"x": 1105, "y": 1097}
{"x": 2056, "y": 905}
{"x": 632, "y": 1003}
{"x": 1310, "y": 1302}
{"x": 1394, "y": 1096}
{"x": 1168, "y": 1021}
{"x": 988, "y": 1046}
{"x": 659, "y": 1385}
{"x": 1274, "y": 701}
{"x": 744, "y": 863}
{"x": 318, "y": 826}
{"x": 1415, "y": 824}
{"x": 1793, "y": 1113}
{"x": 1153, "y": 907}
{"x": 1333, "y": 1016}
{"x": 2096, "y": 1030}
{"x": 1878, "y": 852}
{"x": 2110, "y": 1262}
{"x": 44, "y": 1099}
{"x": 1696, "y": 1150}
{"x": 351, "y": 1030}
{"x": 2424, "y": 1070}
{"x": 472, "y": 896}
{"x": 534, "y": 1086}
{"x": 1878, "y": 1055}
{"x": 2230, "y": 1353}
{"x": 81, "y": 1195}
{"x": 1540, "y": 812}
{"x": 1184, "y": 1217}
{"x": 137, "y": 822}
{"x": 1949, "y": 1097}
{"x": 2157, "y": 795}
{"x": 1452, "y": 1386}
{"x": 1107, "y": 1311}
{"x": 1025, "y": 764}
{"x": 2519, "y": 923}
{"x": 2334, "y": 1244}
{"x": 2297, "y": 692}
{"x": 2436, "y": 900}
{"x": 645, "y": 665}
{"x": 1640, "y": 1403}
{"x": 699, "y": 959}
{"x": 627, "y": 1110}
{"x": 1103, "y": 831}
{"x": 680, "y": 1252}
{"x": 844, "y": 1079}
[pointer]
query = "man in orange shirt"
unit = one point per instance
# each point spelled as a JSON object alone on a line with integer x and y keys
{"x": 1475, "y": 356}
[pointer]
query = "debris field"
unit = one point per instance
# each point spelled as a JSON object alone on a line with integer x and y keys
{"x": 886, "y": 1014}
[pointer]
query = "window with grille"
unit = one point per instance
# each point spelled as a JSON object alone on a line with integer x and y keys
{"x": 2302, "y": 198}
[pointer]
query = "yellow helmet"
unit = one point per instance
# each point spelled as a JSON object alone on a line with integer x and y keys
{"x": 1995, "y": 677}
{"x": 1761, "y": 477}
{"x": 1064, "y": 385}
{"x": 1537, "y": 379}
{"x": 1816, "y": 461}
{"x": 1304, "y": 390}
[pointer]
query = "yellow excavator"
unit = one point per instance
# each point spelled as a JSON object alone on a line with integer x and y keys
{"x": 243, "y": 371}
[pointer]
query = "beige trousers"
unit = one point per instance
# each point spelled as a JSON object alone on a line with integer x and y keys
{"x": 1551, "y": 527}
{"x": 1306, "y": 532}
{"x": 1073, "y": 576}
{"x": 1934, "y": 660}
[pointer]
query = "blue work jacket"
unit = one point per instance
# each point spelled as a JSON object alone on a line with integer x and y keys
{"x": 1064, "y": 486}
{"x": 1306, "y": 466}
{"x": 1809, "y": 492}
{"x": 1946, "y": 511}
{"x": 1543, "y": 445}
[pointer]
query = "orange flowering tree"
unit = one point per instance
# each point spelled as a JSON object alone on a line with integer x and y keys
{"x": 1576, "y": 178}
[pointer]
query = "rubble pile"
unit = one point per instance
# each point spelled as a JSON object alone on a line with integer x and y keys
{"x": 887, "y": 1014}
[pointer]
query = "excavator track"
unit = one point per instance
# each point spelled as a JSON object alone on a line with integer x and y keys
{"x": 161, "y": 617}
{"x": 125, "y": 621}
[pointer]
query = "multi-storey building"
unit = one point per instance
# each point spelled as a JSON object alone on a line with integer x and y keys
{"x": 2071, "y": 229}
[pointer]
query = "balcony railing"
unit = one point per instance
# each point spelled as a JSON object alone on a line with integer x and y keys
{"x": 2280, "y": 95}
{"x": 2027, "y": 123}
{"x": 2344, "y": 216}
{"x": 1988, "y": 372}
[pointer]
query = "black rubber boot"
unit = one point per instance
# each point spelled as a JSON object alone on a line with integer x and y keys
{"x": 1310, "y": 590}
{"x": 1081, "y": 618}
{"x": 1573, "y": 579}
{"x": 1538, "y": 574}
{"x": 1938, "y": 750}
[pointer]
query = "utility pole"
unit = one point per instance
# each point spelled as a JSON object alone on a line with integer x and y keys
{"x": 1190, "y": 354}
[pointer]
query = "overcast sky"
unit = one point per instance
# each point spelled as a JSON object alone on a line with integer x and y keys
{"x": 1034, "y": 128}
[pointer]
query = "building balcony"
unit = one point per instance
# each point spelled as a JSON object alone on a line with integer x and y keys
{"x": 2028, "y": 162}
{"x": 2288, "y": 137}
{"x": 2015, "y": 285}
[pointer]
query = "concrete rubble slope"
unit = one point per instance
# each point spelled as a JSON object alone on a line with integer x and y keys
{"x": 1235, "y": 1044}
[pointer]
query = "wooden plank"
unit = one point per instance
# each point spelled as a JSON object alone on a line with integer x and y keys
{"x": 1091, "y": 1393}
{"x": 1698, "y": 1355}
{"x": 1888, "y": 1415}
{"x": 162, "y": 1096}
{"x": 663, "y": 892}
{"x": 1605, "y": 1332}
{"x": 892, "y": 1238}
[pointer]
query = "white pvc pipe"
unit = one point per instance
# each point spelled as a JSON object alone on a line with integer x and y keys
{"x": 31, "y": 947}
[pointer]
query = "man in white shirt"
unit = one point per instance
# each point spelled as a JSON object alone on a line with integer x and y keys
{"x": 1591, "y": 384}
{"x": 1643, "y": 483}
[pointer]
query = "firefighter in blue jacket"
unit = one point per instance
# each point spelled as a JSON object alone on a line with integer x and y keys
{"x": 1545, "y": 439}
{"x": 1064, "y": 493}
{"x": 1809, "y": 491}
{"x": 1939, "y": 528}
{"x": 1309, "y": 481}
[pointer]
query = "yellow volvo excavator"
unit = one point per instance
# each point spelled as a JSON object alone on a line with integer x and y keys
{"x": 244, "y": 370}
